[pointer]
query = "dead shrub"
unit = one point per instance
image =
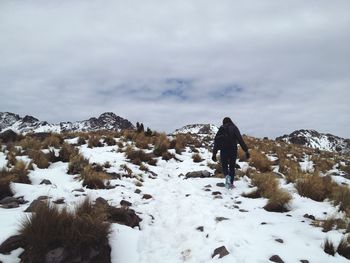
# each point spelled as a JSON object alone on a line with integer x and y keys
{"x": 161, "y": 145}
{"x": 341, "y": 196}
{"x": 5, "y": 181}
{"x": 152, "y": 162}
{"x": 76, "y": 164}
{"x": 20, "y": 173}
{"x": 167, "y": 156}
{"x": 81, "y": 141}
{"x": 92, "y": 179}
{"x": 260, "y": 161}
{"x": 29, "y": 143}
{"x": 77, "y": 232}
{"x": 137, "y": 156}
{"x": 344, "y": 247}
{"x": 39, "y": 158}
{"x": 314, "y": 186}
{"x": 328, "y": 247}
{"x": 254, "y": 194}
{"x": 197, "y": 158}
{"x": 126, "y": 169}
{"x": 142, "y": 141}
{"x": 11, "y": 159}
{"x": 54, "y": 140}
{"x": 94, "y": 141}
{"x": 144, "y": 168}
{"x": 267, "y": 184}
{"x": 322, "y": 164}
{"x": 107, "y": 165}
{"x": 66, "y": 152}
{"x": 278, "y": 201}
{"x": 345, "y": 169}
{"x": 109, "y": 140}
{"x": 179, "y": 143}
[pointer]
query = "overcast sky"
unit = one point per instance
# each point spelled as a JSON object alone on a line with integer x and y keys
{"x": 272, "y": 66}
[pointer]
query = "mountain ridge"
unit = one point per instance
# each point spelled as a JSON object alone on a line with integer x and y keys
{"x": 106, "y": 121}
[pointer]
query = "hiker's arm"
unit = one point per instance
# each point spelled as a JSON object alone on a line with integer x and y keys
{"x": 240, "y": 139}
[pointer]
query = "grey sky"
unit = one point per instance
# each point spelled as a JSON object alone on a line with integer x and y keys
{"x": 273, "y": 66}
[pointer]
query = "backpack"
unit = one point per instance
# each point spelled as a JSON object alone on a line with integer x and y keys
{"x": 222, "y": 139}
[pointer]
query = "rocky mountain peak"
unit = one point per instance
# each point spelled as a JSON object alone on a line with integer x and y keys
{"x": 314, "y": 139}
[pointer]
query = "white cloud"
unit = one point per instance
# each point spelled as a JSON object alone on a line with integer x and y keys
{"x": 69, "y": 60}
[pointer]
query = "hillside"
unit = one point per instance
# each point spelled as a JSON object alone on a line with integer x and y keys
{"x": 163, "y": 200}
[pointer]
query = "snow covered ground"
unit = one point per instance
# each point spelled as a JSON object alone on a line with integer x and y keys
{"x": 184, "y": 221}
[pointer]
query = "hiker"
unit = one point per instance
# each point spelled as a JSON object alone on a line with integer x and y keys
{"x": 226, "y": 140}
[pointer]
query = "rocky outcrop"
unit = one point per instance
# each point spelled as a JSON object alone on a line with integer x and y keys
{"x": 316, "y": 140}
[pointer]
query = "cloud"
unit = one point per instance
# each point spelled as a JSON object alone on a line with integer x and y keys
{"x": 273, "y": 67}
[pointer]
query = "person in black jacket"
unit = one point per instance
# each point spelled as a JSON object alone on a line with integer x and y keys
{"x": 226, "y": 140}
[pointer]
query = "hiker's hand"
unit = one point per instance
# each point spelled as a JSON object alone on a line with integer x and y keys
{"x": 214, "y": 158}
{"x": 247, "y": 155}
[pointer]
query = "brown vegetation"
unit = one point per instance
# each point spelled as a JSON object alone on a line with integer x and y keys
{"x": 161, "y": 145}
{"x": 76, "y": 164}
{"x": 94, "y": 141}
{"x": 328, "y": 247}
{"x": 197, "y": 158}
{"x": 66, "y": 152}
{"x": 314, "y": 186}
{"x": 137, "y": 156}
{"x": 92, "y": 179}
{"x": 78, "y": 232}
{"x": 260, "y": 161}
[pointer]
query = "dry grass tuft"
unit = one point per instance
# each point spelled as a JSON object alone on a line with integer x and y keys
{"x": 76, "y": 164}
{"x": 314, "y": 186}
{"x": 39, "y": 158}
{"x": 161, "y": 144}
{"x": 66, "y": 152}
{"x": 92, "y": 179}
{"x": 81, "y": 141}
{"x": 126, "y": 169}
{"x": 94, "y": 141}
{"x": 197, "y": 158}
{"x": 5, "y": 181}
{"x": 109, "y": 140}
{"x": 29, "y": 143}
{"x": 137, "y": 156}
{"x": 20, "y": 173}
{"x": 328, "y": 247}
{"x": 11, "y": 158}
{"x": 322, "y": 164}
{"x": 260, "y": 161}
{"x": 341, "y": 196}
{"x": 49, "y": 228}
{"x": 344, "y": 247}
{"x": 54, "y": 140}
{"x": 267, "y": 183}
{"x": 278, "y": 201}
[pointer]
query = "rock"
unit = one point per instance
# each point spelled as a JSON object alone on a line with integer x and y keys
{"x": 59, "y": 201}
{"x": 200, "y": 228}
{"x": 42, "y": 198}
{"x": 263, "y": 223}
{"x": 10, "y": 205}
{"x": 207, "y": 190}
{"x": 56, "y": 255}
{"x": 276, "y": 258}
{"x": 125, "y": 203}
{"x": 217, "y": 197}
{"x": 310, "y": 216}
{"x": 146, "y": 196}
{"x": 9, "y": 136}
{"x": 220, "y": 184}
{"x": 123, "y": 216}
{"x": 243, "y": 210}
{"x": 221, "y": 251}
{"x": 207, "y": 186}
{"x": 137, "y": 191}
{"x": 45, "y": 181}
{"x": 279, "y": 240}
{"x": 35, "y": 205}
{"x": 220, "y": 218}
{"x": 187, "y": 195}
{"x": 216, "y": 193}
{"x": 79, "y": 190}
{"x": 8, "y": 200}
{"x": 200, "y": 174}
{"x": 12, "y": 243}
{"x": 304, "y": 261}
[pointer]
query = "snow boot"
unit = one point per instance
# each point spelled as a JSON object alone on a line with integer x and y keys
{"x": 228, "y": 182}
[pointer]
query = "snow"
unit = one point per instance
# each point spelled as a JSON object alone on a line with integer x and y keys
{"x": 179, "y": 206}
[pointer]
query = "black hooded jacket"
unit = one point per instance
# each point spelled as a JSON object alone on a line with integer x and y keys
{"x": 233, "y": 135}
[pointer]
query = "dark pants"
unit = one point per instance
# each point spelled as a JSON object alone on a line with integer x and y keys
{"x": 228, "y": 162}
